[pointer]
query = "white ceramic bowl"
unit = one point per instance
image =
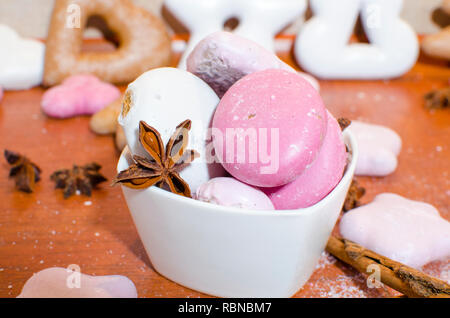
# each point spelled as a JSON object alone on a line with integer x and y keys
{"x": 232, "y": 252}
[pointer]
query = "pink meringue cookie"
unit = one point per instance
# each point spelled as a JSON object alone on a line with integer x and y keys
{"x": 233, "y": 193}
{"x": 410, "y": 232}
{"x": 57, "y": 282}
{"x": 222, "y": 58}
{"x": 78, "y": 95}
{"x": 269, "y": 127}
{"x": 319, "y": 179}
{"x": 1, "y": 93}
{"x": 378, "y": 147}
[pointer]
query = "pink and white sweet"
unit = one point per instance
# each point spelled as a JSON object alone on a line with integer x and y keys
{"x": 233, "y": 193}
{"x": 319, "y": 179}
{"x": 410, "y": 232}
{"x": 222, "y": 58}
{"x": 57, "y": 282}
{"x": 269, "y": 128}
{"x": 78, "y": 95}
{"x": 1, "y": 93}
{"x": 378, "y": 147}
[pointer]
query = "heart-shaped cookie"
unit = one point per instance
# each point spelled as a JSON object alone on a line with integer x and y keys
{"x": 57, "y": 282}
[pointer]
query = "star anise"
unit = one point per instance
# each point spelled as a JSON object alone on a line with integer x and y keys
{"x": 164, "y": 166}
{"x": 438, "y": 99}
{"x": 80, "y": 178}
{"x": 344, "y": 123}
{"x": 24, "y": 172}
{"x": 353, "y": 195}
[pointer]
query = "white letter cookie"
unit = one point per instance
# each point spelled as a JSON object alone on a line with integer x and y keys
{"x": 322, "y": 47}
{"x": 259, "y": 20}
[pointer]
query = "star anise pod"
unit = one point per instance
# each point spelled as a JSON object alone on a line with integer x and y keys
{"x": 353, "y": 195}
{"x": 80, "y": 178}
{"x": 24, "y": 172}
{"x": 164, "y": 164}
{"x": 344, "y": 123}
{"x": 438, "y": 99}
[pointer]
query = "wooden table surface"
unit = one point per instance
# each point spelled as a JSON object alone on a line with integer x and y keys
{"x": 42, "y": 229}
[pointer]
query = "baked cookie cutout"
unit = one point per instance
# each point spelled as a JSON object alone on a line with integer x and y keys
{"x": 143, "y": 42}
{"x": 438, "y": 45}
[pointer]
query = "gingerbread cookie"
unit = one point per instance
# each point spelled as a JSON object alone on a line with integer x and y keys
{"x": 105, "y": 122}
{"x": 143, "y": 42}
{"x": 438, "y": 45}
{"x": 121, "y": 140}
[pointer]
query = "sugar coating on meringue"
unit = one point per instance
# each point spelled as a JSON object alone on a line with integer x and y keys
{"x": 222, "y": 58}
{"x": 319, "y": 179}
{"x": 268, "y": 127}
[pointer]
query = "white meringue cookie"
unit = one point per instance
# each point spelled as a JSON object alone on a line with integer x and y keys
{"x": 378, "y": 146}
{"x": 21, "y": 60}
{"x": 410, "y": 232}
{"x": 57, "y": 282}
{"x": 164, "y": 98}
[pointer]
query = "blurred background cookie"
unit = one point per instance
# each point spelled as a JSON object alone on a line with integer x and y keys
{"x": 143, "y": 42}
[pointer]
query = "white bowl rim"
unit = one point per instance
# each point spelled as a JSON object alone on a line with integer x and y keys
{"x": 350, "y": 141}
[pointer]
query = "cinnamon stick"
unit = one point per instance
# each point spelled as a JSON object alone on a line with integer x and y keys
{"x": 407, "y": 280}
